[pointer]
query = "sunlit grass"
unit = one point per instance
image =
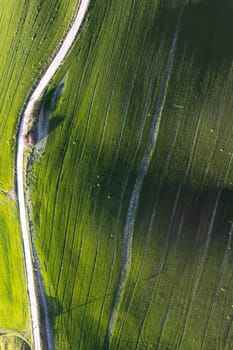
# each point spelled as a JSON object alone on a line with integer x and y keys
{"x": 14, "y": 314}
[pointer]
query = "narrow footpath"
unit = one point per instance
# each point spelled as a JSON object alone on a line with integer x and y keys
{"x": 28, "y": 246}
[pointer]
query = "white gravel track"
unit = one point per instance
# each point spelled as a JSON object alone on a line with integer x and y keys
{"x": 21, "y": 176}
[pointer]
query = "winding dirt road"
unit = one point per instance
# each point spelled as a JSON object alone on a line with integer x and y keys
{"x": 21, "y": 176}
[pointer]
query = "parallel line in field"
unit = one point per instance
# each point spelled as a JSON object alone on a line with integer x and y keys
{"x": 154, "y": 211}
{"x": 56, "y": 200}
{"x": 111, "y": 57}
{"x": 20, "y": 71}
{"x": 140, "y": 133}
{"x": 117, "y": 72}
{"x": 86, "y": 130}
{"x": 205, "y": 251}
{"x": 77, "y": 170}
{"x": 134, "y": 202}
{"x": 155, "y": 208}
{"x": 184, "y": 177}
{"x": 228, "y": 332}
{"x": 102, "y": 137}
{"x": 216, "y": 287}
{"x": 24, "y": 216}
{"x": 141, "y": 129}
{"x": 161, "y": 264}
{"x": 91, "y": 276}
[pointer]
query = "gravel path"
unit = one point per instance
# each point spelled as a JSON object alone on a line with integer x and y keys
{"x": 21, "y": 176}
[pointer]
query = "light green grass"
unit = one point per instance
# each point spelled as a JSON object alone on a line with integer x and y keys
{"x": 13, "y": 341}
{"x": 30, "y": 32}
{"x": 83, "y": 183}
{"x": 14, "y": 303}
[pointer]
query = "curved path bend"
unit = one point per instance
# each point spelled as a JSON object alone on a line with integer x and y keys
{"x": 20, "y": 178}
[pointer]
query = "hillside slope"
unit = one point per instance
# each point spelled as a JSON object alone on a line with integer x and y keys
{"x": 134, "y": 62}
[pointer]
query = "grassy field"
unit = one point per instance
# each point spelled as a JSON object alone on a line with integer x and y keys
{"x": 13, "y": 341}
{"x": 13, "y": 307}
{"x": 179, "y": 291}
{"x": 30, "y": 32}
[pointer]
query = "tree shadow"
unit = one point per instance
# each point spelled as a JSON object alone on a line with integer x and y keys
{"x": 55, "y": 122}
{"x": 206, "y": 31}
{"x": 55, "y": 307}
{"x": 204, "y": 40}
{"x": 53, "y": 95}
{"x": 47, "y": 107}
{"x": 194, "y": 208}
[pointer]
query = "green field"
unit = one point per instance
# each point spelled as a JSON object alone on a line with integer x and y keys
{"x": 179, "y": 291}
{"x": 13, "y": 306}
{"x": 124, "y": 69}
{"x": 30, "y": 31}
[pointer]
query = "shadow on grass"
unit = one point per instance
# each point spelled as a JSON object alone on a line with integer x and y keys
{"x": 57, "y": 309}
{"x": 48, "y": 105}
{"x": 206, "y": 31}
{"x": 55, "y": 122}
{"x": 205, "y": 40}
